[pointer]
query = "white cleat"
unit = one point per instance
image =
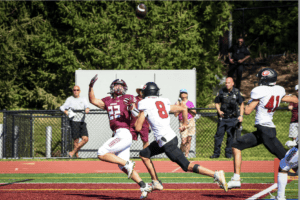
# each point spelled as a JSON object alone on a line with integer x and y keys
{"x": 280, "y": 198}
{"x": 145, "y": 190}
{"x": 129, "y": 167}
{"x": 234, "y": 183}
{"x": 157, "y": 185}
{"x": 220, "y": 179}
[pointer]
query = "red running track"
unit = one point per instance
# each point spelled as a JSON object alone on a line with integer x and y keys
{"x": 35, "y": 167}
{"x": 125, "y": 191}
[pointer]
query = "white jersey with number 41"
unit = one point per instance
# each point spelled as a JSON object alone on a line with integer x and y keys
{"x": 269, "y": 99}
{"x": 156, "y": 110}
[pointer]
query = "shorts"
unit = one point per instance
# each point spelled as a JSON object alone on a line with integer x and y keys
{"x": 78, "y": 129}
{"x": 191, "y": 129}
{"x": 118, "y": 145}
{"x": 293, "y": 132}
{"x": 290, "y": 160}
{"x": 143, "y": 133}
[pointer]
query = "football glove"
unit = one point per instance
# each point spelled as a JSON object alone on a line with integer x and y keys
{"x": 94, "y": 79}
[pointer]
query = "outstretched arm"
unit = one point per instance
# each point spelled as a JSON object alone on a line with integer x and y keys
{"x": 97, "y": 102}
{"x": 250, "y": 107}
{"x": 290, "y": 99}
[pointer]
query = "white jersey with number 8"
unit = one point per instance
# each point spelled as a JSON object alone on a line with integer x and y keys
{"x": 269, "y": 99}
{"x": 156, "y": 110}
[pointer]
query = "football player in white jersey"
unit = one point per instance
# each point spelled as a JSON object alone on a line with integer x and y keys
{"x": 290, "y": 161}
{"x": 265, "y": 98}
{"x": 156, "y": 110}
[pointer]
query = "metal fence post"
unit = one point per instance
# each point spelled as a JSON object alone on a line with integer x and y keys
{"x": 48, "y": 141}
{"x": 4, "y": 132}
{"x": 1, "y": 141}
{"x": 16, "y": 137}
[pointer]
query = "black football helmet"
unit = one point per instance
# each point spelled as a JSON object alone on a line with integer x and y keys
{"x": 267, "y": 76}
{"x": 118, "y": 91}
{"x": 150, "y": 89}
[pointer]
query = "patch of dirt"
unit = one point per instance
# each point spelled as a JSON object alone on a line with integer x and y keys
{"x": 285, "y": 66}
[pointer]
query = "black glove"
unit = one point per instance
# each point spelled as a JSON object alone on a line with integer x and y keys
{"x": 93, "y": 80}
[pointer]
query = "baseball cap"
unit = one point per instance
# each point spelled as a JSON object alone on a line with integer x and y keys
{"x": 139, "y": 88}
{"x": 183, "y": 91}
{"x": 296, "y": 87}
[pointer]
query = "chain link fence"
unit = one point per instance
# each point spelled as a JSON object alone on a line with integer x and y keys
{"x": 47, "y": 134}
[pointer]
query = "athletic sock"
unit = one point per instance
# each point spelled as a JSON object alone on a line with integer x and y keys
{"x": 142, "y": 184}
{"x": 282, "y": 182}
{"x": 236, "y": 176}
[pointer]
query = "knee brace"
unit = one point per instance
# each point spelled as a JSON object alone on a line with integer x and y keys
{"x": 196, "y": 169}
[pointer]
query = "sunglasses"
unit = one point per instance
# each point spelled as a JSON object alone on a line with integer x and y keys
{"x": 76, "y": 90}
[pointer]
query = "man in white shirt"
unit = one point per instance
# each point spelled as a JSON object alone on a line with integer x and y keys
{"x": 156, "y": 110}
{"x": 265, "y": 98}
{"x": 78, "y": 126}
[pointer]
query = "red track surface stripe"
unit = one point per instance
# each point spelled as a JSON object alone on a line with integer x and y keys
{"x": 125, "y": 191}
{"x": 35, "y": 167}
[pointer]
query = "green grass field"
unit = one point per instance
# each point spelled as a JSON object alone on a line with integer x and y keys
{"x": 255, "y": 178}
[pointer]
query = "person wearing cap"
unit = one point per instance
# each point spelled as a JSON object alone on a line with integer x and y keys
{"x": 293, "y": 132}
{"x": 78, "y": 126}
{"x": 227, "y": 104}
{"x": 186, "y": 136}
{"x": 145, "y": 128}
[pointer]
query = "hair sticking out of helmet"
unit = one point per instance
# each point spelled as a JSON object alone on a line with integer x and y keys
{"x": 267, "y": 76}
{"x": 150, "y": 89}
{"x": 118, "y": 90}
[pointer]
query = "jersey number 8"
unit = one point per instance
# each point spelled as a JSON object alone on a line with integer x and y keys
{"x": 161, "y": 109}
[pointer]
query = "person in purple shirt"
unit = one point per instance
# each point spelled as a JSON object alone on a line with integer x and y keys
{"x": 117, "y": 149}
{"x": 186, "y": 136}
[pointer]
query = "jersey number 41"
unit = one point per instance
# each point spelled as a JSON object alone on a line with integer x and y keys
{"x": 270, "y": 104}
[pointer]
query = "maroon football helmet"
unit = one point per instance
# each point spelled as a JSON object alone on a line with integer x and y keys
{"x": 118, "y": 91}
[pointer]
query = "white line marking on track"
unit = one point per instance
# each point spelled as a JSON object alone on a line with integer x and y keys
{"x": 179, "y": 168}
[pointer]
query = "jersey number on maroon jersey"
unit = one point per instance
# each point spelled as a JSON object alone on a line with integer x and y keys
{"x": 161, "y": 109}
{"x": 270, "y": 104}
{"x": 114, "y": 112}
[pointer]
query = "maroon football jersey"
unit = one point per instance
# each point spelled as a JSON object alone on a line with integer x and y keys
{"x": 133, "y": 119}
{"x": 294, "y": 112}
{"x": 118, "y": 114}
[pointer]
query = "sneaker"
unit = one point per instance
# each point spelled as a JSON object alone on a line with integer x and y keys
{"x": 157, "y": 185}
{"x": 280, "y": 198}
{"x": 220, "y": 179}
{"x": 129, "y": 167}
{"x": 234, "y": 183}
{"x": 145, "y": 190}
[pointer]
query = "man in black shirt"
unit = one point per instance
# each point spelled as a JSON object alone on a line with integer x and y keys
{"x": 240, "y": 53}
{"x": 227, "y": 102}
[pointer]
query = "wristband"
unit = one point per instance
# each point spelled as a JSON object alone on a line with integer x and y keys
{"x": 135, "y": 112}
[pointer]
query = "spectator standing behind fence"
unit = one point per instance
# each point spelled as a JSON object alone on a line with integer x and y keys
{"x": 78, "y": 126}
{"x": 227, "y": 105}
{"x": 145, "y": 128}
{"x": 293, "y": 132}
{"x": 186, "y": 136}
{"x": 240, "y": 53}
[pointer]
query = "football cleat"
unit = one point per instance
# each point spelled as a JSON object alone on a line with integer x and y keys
{"x": 145, "y": 190}
{"x": 220, "y": 179}
{"x": 157, "y": 185}
{"x": 129, "y": 167}
{"x": 234, "y": 183}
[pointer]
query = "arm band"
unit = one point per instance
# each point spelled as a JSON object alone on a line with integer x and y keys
{"x": 135, "y": 112}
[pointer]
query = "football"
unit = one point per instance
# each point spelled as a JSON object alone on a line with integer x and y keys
{"x": 141, "y": 11}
